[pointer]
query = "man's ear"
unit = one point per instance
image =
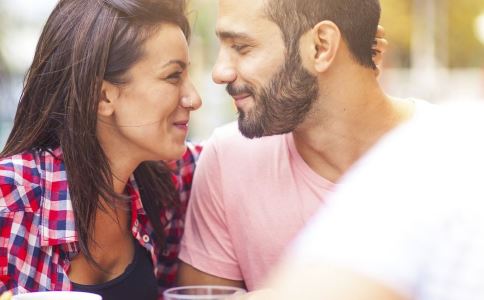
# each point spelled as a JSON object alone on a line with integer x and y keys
{"x": 109, "y": 96}
{"x": 326, "y": 39}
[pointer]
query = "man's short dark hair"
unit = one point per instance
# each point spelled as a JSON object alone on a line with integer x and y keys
{"x": 356, "y": 19}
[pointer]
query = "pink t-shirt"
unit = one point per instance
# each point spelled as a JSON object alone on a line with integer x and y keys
{"x": 249, "y": 200}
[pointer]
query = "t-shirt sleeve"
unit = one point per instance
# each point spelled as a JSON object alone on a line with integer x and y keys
{"x": 207, "y": 244}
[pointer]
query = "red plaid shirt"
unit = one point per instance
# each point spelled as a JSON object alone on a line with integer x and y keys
{"x": 37, "y": 229}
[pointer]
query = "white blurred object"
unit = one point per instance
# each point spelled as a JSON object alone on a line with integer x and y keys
{"x": 57, "y": 295}
{"x": 410, "y": 214}
{"x": 429, "y": 48}
{"x": 479, "y": 27}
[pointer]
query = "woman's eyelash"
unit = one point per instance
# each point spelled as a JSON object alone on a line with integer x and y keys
{"x": 175, "y": 75}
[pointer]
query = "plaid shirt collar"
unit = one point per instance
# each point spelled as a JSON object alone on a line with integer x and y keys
{"x": 57, "y": 224}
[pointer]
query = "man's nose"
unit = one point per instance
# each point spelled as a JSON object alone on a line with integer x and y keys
{"x": 223, "y": 71}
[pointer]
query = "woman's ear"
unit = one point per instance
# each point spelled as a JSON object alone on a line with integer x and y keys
{"x": 326, "y": 39}
{"x": 109, "y": 96}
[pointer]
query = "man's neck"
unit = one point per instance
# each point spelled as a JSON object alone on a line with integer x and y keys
{"x": 345, "y": 124}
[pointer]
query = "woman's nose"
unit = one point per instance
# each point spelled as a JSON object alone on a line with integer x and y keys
{"x": 191, "y": 100}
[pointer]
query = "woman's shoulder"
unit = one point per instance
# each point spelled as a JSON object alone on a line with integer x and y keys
{"x": 19, "y": 169}
{"x": 186, "y": 164}
{"x": 184, "y": 169}
{"x": 193, "y": 152}
{"x": 20, "y": 180}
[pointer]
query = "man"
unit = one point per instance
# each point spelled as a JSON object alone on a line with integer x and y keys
{"x": 303, "y": 80}
{"x": 407, "y": 222}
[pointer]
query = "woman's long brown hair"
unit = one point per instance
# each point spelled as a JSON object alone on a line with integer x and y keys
{"x": 83, "y": 43}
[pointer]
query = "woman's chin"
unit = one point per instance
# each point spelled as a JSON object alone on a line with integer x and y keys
{"x": 175, "y": 153}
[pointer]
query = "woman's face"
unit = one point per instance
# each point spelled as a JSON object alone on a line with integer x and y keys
{"x": 150, "y": 113}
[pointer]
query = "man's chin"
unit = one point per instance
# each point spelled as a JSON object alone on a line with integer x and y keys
{"x": 249, "y": 128}
{"x": 253, "y": 125}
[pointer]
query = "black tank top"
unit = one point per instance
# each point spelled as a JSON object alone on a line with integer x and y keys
{"x": 138, "y": 281}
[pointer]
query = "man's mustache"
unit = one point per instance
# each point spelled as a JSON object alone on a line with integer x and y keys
{"x": 234, "y": 90}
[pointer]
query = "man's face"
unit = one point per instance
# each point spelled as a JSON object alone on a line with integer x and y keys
{"x": 271, "y": 89}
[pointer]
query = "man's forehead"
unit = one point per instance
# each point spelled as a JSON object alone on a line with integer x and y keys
{"x": 241, "y": 17}
{"x": 241, "y": 8}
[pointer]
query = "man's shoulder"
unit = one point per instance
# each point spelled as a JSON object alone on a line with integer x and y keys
{"x": 229, "y": 131}
{"x": 232, "y": 152}
{"x": 228, "y": 137}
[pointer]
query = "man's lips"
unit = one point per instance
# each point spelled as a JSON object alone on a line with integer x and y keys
{"x": 241, "y": 96}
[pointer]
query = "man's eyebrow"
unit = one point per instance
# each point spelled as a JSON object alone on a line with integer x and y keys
{"x": 181, "y": 63}
{"x": 225, "y": 35}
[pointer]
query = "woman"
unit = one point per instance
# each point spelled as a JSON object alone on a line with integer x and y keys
{"x": 85, "y": 203}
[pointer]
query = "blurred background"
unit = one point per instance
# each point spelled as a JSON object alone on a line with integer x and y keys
{"x": 436, "y": 52}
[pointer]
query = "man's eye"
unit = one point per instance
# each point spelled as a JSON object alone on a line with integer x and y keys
{"x": 239, "y": 47}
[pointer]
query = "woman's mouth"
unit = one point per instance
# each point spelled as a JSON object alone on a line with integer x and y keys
{"x": 182, "y": 125}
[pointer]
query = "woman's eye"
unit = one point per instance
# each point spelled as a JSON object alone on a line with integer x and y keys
{"x": 174, "y": 77}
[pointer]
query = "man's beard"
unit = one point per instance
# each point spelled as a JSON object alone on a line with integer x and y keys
{"x": 280, "y": 106}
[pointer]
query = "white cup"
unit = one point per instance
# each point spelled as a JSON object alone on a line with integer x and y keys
{"x": 57, "y": 295}
{"x": 202, "y": 292}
